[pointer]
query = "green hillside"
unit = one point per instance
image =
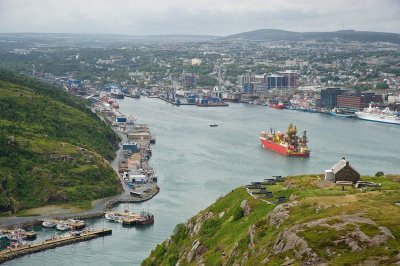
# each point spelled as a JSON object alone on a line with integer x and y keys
{"x": 319, "y": 224}
{"x": 53, "y": 148}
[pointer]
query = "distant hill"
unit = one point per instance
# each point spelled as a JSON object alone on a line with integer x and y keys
{"x": 318, "y": 224}
{"x": 349, "y": 35}
{"x": 52, "y": 147}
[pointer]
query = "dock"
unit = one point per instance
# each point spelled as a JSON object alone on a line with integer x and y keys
{"x": 20, "y": 251}
{"x": 172, "y": 102}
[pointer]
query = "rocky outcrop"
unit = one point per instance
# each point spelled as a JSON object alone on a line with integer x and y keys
{"x": 245, "y": 207}
{"x": 278, "y": 215}
{"x": 194, "y": 227}
{"x": 355, "y": 239}
{"x": 398, "y": 259}
{"x": 289, "y": 240}
{"x": 252, "y": 234}
{"x": 195, "y": 254}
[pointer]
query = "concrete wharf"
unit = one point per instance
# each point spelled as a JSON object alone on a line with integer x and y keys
{"x": 16, "y": 252}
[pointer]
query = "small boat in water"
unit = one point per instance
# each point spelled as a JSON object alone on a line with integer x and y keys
{"x": 75, "y": 224}
{"x": 49, "y": 223}
{"x": 63, "y": 226}
{"x": 213, "y": 125}
{"x": 113, "y": 217}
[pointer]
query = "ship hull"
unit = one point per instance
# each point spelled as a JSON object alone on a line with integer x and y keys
{"x": 117, "y": 95}
{"x": 342, "y": 115}
{"x": 377, "y": 119}
{"x": 234, "y": 100}
{"x": 212, "y": 105}
{"x": 277, "y": 106}
{"x": 269, "y": 145}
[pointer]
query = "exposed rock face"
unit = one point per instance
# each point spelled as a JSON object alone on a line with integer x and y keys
{"x": 289, "y": 240}
{"x": 245, "y": 207}
{"x": 194, "y": 228}
{"x": 245, "y": 258}
{"x": 278, "y": 215}
{"x": 252, "y": 234}
{"x": 398, "y": 259}
{"x": 195, "y": 254}
{"x": 355, "y": 239}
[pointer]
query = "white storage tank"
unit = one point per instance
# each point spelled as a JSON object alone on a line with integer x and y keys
{"x": 329, "y": 176}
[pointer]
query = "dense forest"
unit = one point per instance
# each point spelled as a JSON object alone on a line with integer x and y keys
{"x": 53, "y": 148}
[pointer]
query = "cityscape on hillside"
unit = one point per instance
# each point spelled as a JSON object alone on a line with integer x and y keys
{"x": 312, "y": 75}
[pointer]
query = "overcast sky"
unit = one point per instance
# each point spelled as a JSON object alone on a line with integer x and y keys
{"x": 210, "y": 17}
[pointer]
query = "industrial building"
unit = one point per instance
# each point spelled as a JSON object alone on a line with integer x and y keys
{"x": 329, "y": 97}
{"x": 189, "y": 81}
{"x": 260, "y": 83}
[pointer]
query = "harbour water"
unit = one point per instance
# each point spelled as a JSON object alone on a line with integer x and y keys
{"x": 196, "y": 163}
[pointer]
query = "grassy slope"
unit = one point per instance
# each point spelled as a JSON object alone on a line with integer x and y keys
{"x": 39, "y": 125}
{"x": 226, "y": 240}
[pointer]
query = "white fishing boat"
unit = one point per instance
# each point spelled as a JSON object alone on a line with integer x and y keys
{"x": 63, "y": 226}
{"x": 49, "y": 223}
{"x": 113, "y": 217}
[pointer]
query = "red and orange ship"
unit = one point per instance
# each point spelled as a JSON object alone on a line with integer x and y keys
{"x": 288, "y": 144}
{"x": 277, "y": 105}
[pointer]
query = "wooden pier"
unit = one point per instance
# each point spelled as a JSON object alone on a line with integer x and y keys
{"x": 13, "y": 253}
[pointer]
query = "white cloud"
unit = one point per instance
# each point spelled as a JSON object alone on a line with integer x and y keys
{"x": 220, "y": 17}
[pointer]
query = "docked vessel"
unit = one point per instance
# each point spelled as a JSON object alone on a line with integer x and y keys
{"x": 130, "y": 218}
{"x": 50, "y": 223}
{"x": 113, "y": 217}
{"x": 211, "y": 102}
{"x": 76, "y": 224}
{"x": 191, "y": 98}
{"x": 376, "y": 115}
{"x": 145, "y": 218}
{"x": 63, "y": 226}
{"x": 288, "y": 144}
{"x": 342, "y": 113}
{"x": 117, "y": 94}
{"x": 277, "y": 105}
{"x": 135, "y": 94}
{"x": 231, "y": 97}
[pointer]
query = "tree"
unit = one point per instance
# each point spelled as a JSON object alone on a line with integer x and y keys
{"x": 380, "y": 173}
{"x": 382, "y": 86}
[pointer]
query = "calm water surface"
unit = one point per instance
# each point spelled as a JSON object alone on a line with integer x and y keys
{"x": 196, "y": 164}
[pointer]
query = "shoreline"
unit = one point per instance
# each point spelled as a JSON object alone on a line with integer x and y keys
{"x": 102, "y": 204}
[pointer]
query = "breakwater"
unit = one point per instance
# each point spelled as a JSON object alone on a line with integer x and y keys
{"x": 26, "y": 249}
